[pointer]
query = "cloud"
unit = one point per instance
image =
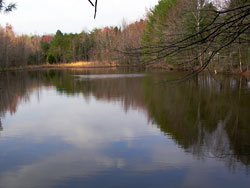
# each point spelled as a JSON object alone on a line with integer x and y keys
{"x": 35, "y": 16}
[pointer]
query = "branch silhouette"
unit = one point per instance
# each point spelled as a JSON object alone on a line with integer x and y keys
{"x": 94, "y": 5}
{"x": 223, "y": 30}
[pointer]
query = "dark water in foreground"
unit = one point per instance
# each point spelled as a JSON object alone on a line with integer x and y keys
{"x": 108, "y": 128}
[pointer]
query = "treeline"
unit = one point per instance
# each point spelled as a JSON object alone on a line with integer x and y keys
{"x": 194, "y": 34}
{"x": 101, "y": 45}
{"x": 156, "y": 39}
{"x": 19, "y": 50}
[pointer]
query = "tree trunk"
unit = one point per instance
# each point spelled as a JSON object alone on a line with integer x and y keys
{"x": 240, "y": 58}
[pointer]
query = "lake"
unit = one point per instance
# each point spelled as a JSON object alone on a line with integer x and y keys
{"x": 123, "y": 128}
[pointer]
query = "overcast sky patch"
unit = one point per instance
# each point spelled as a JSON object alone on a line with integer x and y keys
{"x": 44, "y": 17}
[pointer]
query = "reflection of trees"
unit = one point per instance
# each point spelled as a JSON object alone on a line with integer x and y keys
{"x": 16, "y": 88}
{"x": 128, "y": 91}
{"x": 206, "y": 118}
{"x": 1, "y": 127}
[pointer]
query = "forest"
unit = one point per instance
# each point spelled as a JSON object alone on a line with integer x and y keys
{"x": 175, "y": 34}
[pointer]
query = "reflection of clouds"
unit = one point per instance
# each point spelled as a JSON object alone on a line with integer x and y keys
{"x": 91, "y": 129}
{"x": 72, "y": 164}
{"x": 80, "y": 124}
{"x": 64, "y": 165}
{"x": 88, "y": 128}
{"x": 51, "y": 170}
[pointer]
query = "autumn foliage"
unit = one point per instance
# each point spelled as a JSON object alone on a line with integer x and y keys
{"x": 156, "y": 38}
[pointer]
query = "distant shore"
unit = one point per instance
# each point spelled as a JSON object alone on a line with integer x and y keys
{"x": 81, "y": 64}
{"x": 88, "y": 64}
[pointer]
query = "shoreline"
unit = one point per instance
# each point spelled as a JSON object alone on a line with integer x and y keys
{"x": 60, "y": 66}
{"x": 85, "y": 64}
{"x": 73, "y": 65}
{"x": 172, "y": 68}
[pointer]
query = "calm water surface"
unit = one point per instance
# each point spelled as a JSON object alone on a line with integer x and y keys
{"x": 123, "y": 128}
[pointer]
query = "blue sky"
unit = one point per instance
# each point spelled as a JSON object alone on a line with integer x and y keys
{"x": 45, "y": 17}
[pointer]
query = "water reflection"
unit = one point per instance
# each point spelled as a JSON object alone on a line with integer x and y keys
{"x": 1, "y": 127}
{"x": 105, "y": 76}
{"x": 62, "y": 131}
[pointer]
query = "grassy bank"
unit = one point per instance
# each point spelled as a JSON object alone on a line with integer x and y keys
{"x": 82, "y": 64}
